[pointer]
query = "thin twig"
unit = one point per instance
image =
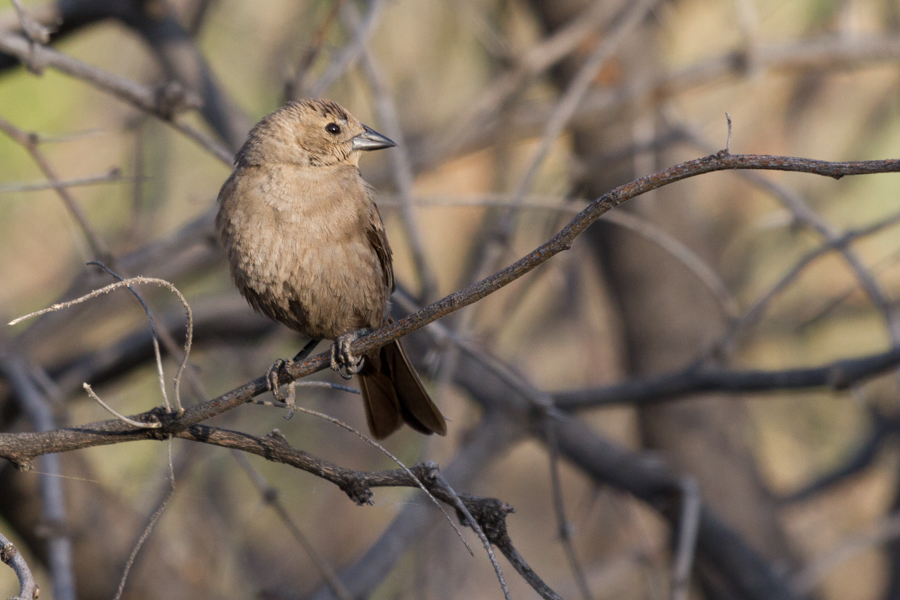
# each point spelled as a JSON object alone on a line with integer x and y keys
{"x": 384, "y": 451}
{"x": 189, "y": 333}
{"x": 270, "y": 497}
{"x": 578, "y": 88}
{"x": 98, "y": 246}
{"x": 149, "y": 528}
{"x": 403, "y": 173}
{"x": 318, "y": 384}
{"x": 10, "y": 555}
{"x": 153, "y": 336}
{"x": 114, "y": 176}
{"x": 87, "y": 387}
{"x": 435, "y": 475}
{"x": 563, "y": 526}
{"x": 349, "y": 55}
{"x": 804, "y": 214}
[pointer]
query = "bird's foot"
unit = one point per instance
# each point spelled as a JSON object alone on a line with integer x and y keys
{"x": 273, "y": 383}
{"x": 342, "y": 358}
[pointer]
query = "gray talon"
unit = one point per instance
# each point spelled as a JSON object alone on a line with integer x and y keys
{"x": 272, "y": 379}
{"x": 342, "y": 359}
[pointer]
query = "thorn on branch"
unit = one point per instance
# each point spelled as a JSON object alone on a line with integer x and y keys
{"x": 727, "y": 150}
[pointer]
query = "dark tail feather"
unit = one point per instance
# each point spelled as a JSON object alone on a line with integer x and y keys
{"x": 394, "y": 394}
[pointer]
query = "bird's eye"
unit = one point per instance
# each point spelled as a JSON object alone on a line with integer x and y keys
{"x": 333, "y": 128}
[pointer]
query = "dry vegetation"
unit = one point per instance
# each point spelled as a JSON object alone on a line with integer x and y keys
{"x": 660, "y": 403}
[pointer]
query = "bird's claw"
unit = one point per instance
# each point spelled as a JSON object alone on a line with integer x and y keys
{"x": 273, "y": 383}
{"x": 272, "y": 379}
{"x": 342, "y": 358}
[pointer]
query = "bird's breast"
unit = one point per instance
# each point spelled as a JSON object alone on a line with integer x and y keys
{"x": 299, "y": 252}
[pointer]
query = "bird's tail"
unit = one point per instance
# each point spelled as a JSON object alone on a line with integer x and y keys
{"x": 393, "y": 394}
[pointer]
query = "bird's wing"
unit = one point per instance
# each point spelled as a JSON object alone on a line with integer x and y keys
{"x": 378, "y": 239}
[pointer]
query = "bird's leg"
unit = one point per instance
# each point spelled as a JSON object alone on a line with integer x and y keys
{"x": 272, "y": 376}
{"x": 306, "y": 351}
{"x": 342, "y": 359}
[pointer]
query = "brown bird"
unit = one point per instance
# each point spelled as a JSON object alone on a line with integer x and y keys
{"x": 307, "y": 248}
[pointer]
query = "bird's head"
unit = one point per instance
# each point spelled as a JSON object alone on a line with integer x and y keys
{"x": 310, "y": 132}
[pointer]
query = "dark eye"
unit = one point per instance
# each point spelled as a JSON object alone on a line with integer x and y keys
{"x": 333, "y": 128}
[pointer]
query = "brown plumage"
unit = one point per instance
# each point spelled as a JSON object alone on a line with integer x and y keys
{"x": 307, "y": 248}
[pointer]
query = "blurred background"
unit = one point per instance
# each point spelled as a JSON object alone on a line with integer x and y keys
{"x": 511, "y": 115}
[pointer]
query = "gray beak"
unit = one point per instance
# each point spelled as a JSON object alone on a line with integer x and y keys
{"x": 371, "y": 140}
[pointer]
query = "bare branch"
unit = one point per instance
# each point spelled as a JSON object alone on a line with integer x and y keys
{"x": 9, "y": 555}
{"x": 838, "y": 375}
{"x": 154, "y": 103}
{"x": 53, "y": 499}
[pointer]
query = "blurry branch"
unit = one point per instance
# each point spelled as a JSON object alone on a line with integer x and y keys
{"x": 151, "y": 523}
{"x": 298, "y": 83}
{"x": 803, "y": 214}
{"x": 270, "y": 498}
{"x": 190, "y": 250}
{"x": 687, "y": 257}
{"x": 838, "y": 375}
{"x": 820, "y": 313}
{"x": 807, "y": 579}
{"x": 173, "y": 46}
{"x": 37, "y": 34}
{"x": 884, "y": 428}
{"x": 686, "y": 543}
{"x": 53, "y": 499}
{"x": 351, "y": 53}
{"x": 183, "y": 63}
{"x": 527, "y": 119}
{"x": 165, "y": 104}
{"x": 634, "y": 223}
{"x": 113, "y": 176}
{"x": 572, "y": 97}
{"x": 512, "y": 402}
{"x": 532, "y": 63}
{"x": 563, "y": 527}
{"x": 718, "y": 547}
{"x": 490, "y": 251}
{"x": 403, "y": 173}
{"x": 197, "y": 16}
{"x": 834, "y": 243}
{"x": 9, "y": 555}
{"x": 27, "y": 141}
{"x": 823, "y": 54}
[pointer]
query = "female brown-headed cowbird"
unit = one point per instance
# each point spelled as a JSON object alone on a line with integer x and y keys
{"x": 308, "y": 249}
